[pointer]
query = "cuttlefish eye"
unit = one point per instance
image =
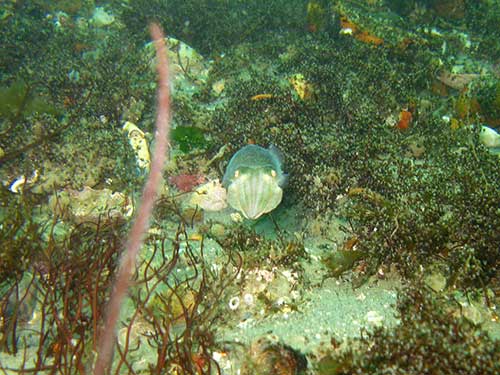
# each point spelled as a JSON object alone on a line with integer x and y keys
{"x": 236, "y": 174}
{"x": 273, "y": 173}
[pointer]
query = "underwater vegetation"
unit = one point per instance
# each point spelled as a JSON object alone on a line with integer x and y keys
{"x": 68, "y": 280}
{"x": 229, "y": 22}
{"x": 21, "y": 236}
{"x": 430, "y": 339}
{"x": 188, "y": 138}
{"x": 379, "y": 108}
{"x": 59, "y": 105}
{"x": 406, "y": 190}
{"x": 285, "y": 250}
{"x": 17, "y": 101}
{"x": 62, "y": 283}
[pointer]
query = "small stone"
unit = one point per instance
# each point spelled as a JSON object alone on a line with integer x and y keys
{"x": 102, "y": 18}
{"x": 436, "y": 281}
{"x": 472, "y": 313}
{"x": 210, "y": 196}
{"x": 218, "y": 87}
{"x": 374, "y": 317}
{"x": 218, "y": 230}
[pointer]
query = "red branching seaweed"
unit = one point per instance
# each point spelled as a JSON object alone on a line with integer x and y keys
{"x": 173, "y": 308}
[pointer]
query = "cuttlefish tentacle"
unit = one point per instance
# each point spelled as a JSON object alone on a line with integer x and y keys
{"x": 254, "y": 194}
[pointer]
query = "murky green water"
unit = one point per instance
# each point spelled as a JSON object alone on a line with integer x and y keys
{"x": 362, "y": 238}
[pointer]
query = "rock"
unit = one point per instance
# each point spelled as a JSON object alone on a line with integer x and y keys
{"x": 101, "y": 18}
{"x": 210, "y": 196}
{"x": 187, "y": 66}
{"x": 436, "y": 281}
{"x": 89, "y": 205}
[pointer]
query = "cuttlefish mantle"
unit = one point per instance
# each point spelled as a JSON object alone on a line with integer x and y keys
{"x": 254, "y": 180}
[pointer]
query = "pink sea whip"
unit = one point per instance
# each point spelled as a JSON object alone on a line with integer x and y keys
{"x": 141, "y": 223}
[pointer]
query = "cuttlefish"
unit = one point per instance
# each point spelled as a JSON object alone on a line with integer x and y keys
{"x": 254, "y": 180}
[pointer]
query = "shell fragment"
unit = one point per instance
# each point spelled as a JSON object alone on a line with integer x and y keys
{"x": 139, "y": 143}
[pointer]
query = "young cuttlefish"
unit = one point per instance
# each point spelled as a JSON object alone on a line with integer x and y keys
{"x": 254, "y": 180}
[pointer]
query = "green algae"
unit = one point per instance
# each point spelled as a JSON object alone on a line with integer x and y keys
{"x": 188, "y": 138}
{"x": 18, "y": 99}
